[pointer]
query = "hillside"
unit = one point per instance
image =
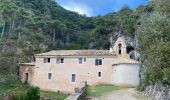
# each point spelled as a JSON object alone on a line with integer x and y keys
{"x": 34, "y": 26}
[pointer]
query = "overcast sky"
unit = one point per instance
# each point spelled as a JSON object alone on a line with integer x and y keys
{"x": 98, "y": 7}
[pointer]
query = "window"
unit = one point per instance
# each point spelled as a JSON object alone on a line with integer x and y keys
{"x": 84, "y": 59}
{"x": 99, "y": 74}
{"x": 80, "y": 60}
{"x": 60, "y": 60}
{"x": 73, "y": 77}
{"x": 98, "y": 62}
{"x": 49, "y": 76}
{"x": 47, "y": 60}
{"x": 120, "y": 48}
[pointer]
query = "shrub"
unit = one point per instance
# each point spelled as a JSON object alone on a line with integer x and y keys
{"x": 33, "y": 93}
{"x": 19, "y": 95}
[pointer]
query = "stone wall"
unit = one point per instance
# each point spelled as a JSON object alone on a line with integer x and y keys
{"x": 47, "y": 98}
{"x": 79, "y": 94}
{"x": 158, "y": 92}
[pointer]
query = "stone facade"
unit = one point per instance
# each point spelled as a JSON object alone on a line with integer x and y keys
{"x": 64, "y": 70}
{"x": 158, "y": 92}
{"x": 27, "y": 72}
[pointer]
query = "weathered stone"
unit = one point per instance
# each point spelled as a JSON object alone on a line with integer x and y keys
{"x": 79, "y": 93}
{"x": 158, "y": 92}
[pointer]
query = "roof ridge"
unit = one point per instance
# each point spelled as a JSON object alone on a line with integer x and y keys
{"x": 87, "y": 52}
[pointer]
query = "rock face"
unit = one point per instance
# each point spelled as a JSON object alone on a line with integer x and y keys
{"x": 131, "y": 43}
{"x": 129, "y": 40}
{"x": 158, "y": 92}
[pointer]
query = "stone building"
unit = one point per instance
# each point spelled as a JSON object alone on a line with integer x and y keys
{"x": 63, "y": 70}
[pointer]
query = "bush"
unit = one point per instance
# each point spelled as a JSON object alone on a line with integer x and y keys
{"x": 10, "y": 78}
{"x": 19, "y": 95}
{"x": 154, "y": 44}
{"x": 33, "y": 93}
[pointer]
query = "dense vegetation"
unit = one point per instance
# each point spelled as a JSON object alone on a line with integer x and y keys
{"x": 25, "y": 93}
{"x": 33, "y": 26}
{"x": 154, "y": 43}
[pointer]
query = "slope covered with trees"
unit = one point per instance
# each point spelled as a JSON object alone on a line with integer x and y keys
{"x": 154, "y": 43}
{"x": 34, "y": 26}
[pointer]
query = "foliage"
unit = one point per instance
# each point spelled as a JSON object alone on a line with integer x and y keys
{"x": 18, "y": 95}
{"x": 26, "y": 93}
{"x": 8, "y": 82}
{"x": 154, "y": 43}
{"x": 8, "y": 87}
{"x": 101, "y": 89}
{"x": 28, "y": 27}
{"x": 33, "y": 94}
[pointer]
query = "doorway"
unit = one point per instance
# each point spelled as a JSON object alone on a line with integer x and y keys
{"x": 26, "y": 78}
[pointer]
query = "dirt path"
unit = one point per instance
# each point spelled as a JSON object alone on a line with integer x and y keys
{"x": 127, "y": 94}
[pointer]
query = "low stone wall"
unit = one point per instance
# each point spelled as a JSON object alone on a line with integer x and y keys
{"x": 158, "y": 92}
{"x": 47, "y": 98}
{"x": 79, "y": 92}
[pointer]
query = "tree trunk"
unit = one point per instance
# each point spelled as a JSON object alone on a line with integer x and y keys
{"x": 13, "y": 24}
{"x": 19, "y": 33}
{"x": 3, "y": 30}
{"x": 10, "y": 29}
{"x": 54, "y": 35}
{"x": 19, "y": 25}
{"x": 67, "y": 39}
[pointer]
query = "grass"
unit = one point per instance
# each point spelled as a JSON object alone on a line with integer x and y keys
{"x": 101, "y": 89}
{"x": 22, "y": 90}
{"x": 60, "y": 96}
{"x": 5, "y": 88}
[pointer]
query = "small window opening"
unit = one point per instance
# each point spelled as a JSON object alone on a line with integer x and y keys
{"x": 84, "y": 59}
{"x": 120, "y": 48}
{"x": 73, "y": 78}
{"x": 47, "y": 60}
{"x": 62, "y": 60}
{"x": 49, "y": 76}
{"x": 98, "y": 62}
{"x": 80, "y": 60}
{"x": 99, "y": 74}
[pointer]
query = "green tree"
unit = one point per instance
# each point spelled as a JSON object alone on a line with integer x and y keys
{"x": 154, "y": 43}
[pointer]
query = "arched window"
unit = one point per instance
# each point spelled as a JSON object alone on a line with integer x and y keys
{"x": 120, "y": 48}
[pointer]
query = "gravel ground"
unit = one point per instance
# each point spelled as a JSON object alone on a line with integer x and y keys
{"x": 127, "y": 94}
